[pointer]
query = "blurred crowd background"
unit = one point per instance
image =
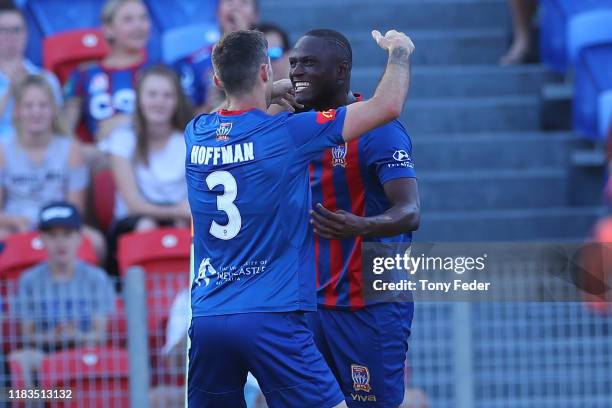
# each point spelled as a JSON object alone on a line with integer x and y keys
{"x": 509, "y": 113}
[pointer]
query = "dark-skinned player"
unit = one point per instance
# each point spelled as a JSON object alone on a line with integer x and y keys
{"x": 363, "y": 191}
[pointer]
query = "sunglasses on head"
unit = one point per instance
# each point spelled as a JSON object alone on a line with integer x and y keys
{"x": 275, "y": 53}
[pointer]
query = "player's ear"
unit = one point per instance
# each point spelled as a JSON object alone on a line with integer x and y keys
{"x": 265, "y": 72}
{"x": 218, "y": 83}
{"x": 343, "y": 70}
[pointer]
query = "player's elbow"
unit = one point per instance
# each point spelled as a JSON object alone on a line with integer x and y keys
{"x": 411, "y": 219}
{"x": 394, "y": 111}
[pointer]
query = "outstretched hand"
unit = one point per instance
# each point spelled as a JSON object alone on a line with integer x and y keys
{"x": 393, "y": 39}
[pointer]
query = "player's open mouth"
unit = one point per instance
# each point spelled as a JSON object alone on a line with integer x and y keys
{"x": 300, "y": 86}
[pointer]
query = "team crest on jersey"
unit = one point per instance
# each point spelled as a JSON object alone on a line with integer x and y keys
{"x": 361, "y": 378}
{"x": 99, "y": 83}
{"x": 339, "y": 155}
{"x": 223, "y": 131}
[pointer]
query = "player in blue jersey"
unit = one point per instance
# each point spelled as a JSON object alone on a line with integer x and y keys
{"x": 363, "y": 191}
{"x": 248, "y": 187}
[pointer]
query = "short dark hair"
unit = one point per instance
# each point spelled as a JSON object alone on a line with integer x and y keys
{"x": 273, "y": 28}
{"x": 338, "y": 39}
{"x": 236, "y": 59}
{"x": 7, "y": 6}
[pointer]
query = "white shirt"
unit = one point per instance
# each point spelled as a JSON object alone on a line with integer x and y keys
{"x": 163, "y": 181}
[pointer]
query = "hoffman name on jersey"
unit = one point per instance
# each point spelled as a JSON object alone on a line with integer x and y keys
{"x": 220, "y": 155}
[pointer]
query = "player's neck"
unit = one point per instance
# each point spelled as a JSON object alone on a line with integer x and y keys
{"x": 247, "y": 102}
{"x": 339, "y": 100}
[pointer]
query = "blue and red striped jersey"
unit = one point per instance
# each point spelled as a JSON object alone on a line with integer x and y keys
{"x": 350, "y": 177}
{"x": 104, "y": 92}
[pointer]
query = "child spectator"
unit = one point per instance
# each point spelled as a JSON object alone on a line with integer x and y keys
{"x": 40, "y": 164}
{"x": 14, "y": 66}
{"x": 195, "y": 70}
{"x": 103, "y": 92}
{"x": 278, "y": 49}
{"x": 147, "y": 160}
{"x": 63, "y": 302}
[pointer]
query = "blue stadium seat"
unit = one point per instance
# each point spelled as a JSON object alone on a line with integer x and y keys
{"x": 182, "y": 41}
{"x": 588, "y": 28}
{"x": 173, "y": 13}
{"x": 593, "y": 84}
{"x": 53, "y": 16}
{"x": 555, "y": 21}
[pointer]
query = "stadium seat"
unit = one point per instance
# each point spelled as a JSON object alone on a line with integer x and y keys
{"x": 556, "y": 16}
{"x": 98, "y": 377}
{"x": 165, "y": 250}
{"x": 164, "y": 255}
{"x": 170, "y": 13}
{"x": 592, "y": 85}
{"x": 604, "y": 107}
{"x": 25, "y": 250}
{"x": 587, "y": 29}
{"x": 65, "y": 51}
{"x": 104, "y": 198}
{"x": 181, "y": 41}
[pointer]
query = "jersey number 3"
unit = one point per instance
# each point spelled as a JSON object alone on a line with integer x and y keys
{"x": 225, "y": 203}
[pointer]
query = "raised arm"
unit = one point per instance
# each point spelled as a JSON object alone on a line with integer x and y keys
{"x": 387, "y": 103}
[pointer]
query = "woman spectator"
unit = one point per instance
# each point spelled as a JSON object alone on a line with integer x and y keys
{"x": 104, "y": 92}
{"x": 147, "y": 160}
{"x": 40, "y": 164}
{"x": 14, "y": 66}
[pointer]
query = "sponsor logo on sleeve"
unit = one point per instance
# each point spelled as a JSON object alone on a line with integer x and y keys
{"x": 326, "y": 116}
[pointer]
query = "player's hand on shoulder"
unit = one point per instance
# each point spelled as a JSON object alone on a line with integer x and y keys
{"x": 337, "y": 224}
{"x": 393, "y": 40}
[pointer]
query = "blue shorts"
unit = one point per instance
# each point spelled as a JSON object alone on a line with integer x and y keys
{"x": 277, "y": 348}
{"x": 366, "y": 351}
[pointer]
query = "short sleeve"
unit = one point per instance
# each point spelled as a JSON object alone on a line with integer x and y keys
{"x": 388, "y": 151}
{"x": 73, "y": 88}
{"x": 104, "y": 294}
{"x": 22, "y": 307}
{"x": 122, "y": 143}
{"x": 313, "y": 132}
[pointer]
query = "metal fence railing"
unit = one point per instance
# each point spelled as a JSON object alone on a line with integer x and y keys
{"x": 463, "y": 355}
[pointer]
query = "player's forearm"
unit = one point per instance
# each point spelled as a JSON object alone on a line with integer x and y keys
{"x": 399, "y": 219}
{"x": 393, "y": 87}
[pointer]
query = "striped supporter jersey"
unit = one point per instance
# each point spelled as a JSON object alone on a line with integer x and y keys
{"x": 350, "y": 177}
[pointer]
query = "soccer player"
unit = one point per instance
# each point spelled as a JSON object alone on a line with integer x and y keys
{"x": 363, "y": 191}
{"x": 248, "y": 188}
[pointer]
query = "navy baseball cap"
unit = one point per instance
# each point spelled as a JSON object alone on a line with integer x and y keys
{"x": 59, "y": 215}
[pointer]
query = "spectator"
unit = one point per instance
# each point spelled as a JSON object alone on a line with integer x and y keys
{"x": 14, "y": 66}
{"x": 278, "y": 49}
{"x": 40, "y": 164}
{"x": 195, "y": 70}
{"x": 63, "y": 302}
{"x": 522, "y": 15}
{"x": 147, "y": 160}
{"x": 104, "y": 91}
